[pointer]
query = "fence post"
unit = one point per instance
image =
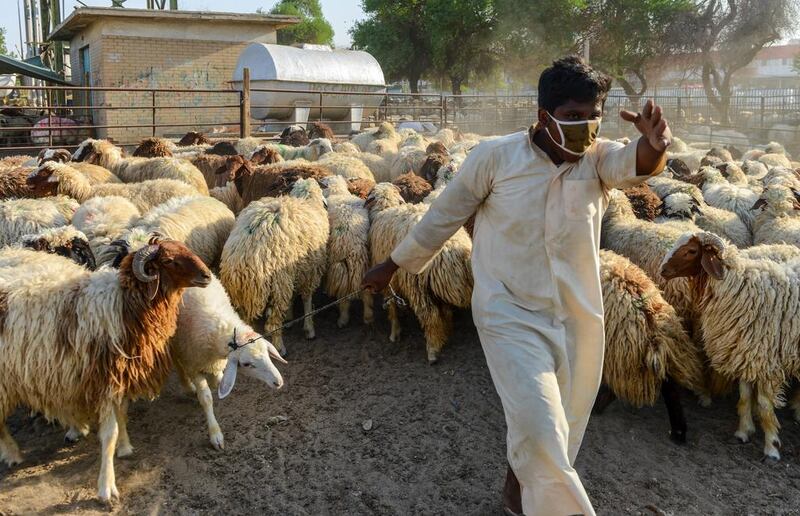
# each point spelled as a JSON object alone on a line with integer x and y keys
{"x": 763, "y": 105}
{"x": 49, "y": 120}
{"x": 444, "y": 109}
{"x": 441, "y": 111}
{"x": 678, "y": 115}
{"x": 154, "y": 112}
{"x": 386, "y": 106}
{"x": 244, "y": 106}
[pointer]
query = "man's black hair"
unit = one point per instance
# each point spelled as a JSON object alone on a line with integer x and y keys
{"x": 570, "y": 78}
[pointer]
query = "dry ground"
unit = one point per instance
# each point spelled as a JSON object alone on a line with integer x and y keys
{"x": 436, "y": 445}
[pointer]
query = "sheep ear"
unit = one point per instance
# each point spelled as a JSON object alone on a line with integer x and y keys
{"x": 228, "y": 377}
{"x": 246, "y": 166}
{"x": 712, "y": 264}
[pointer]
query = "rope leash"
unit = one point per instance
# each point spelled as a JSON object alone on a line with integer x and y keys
{"x": 392, "y": 296}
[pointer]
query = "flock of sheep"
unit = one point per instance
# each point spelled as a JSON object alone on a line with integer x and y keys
{"x": 116, "y": 269}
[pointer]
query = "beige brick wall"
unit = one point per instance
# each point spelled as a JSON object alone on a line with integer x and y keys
{"x": 134, "y": 62}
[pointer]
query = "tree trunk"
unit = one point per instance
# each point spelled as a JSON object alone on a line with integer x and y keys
{"x": 721, "y": 98}
{"x": 455, "y": 85}
{"x": 413, "y": 82}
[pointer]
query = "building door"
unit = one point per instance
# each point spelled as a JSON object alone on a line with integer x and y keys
{"x": 86, "y": 80}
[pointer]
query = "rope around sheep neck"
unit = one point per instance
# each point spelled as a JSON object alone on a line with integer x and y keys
{"x": 392, "y": 296}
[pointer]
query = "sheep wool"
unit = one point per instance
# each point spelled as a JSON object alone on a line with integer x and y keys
{"x": 346, "y": 166}
{"x": 446, "y": 283}
{"x": 202, "y": 223}
{"x": 19, "y": 217}
{"x": 777, "y": 221}
{"x": 348, "y": 247}
{"x": 277, "y": 245}
{"x": 645, "y": 339}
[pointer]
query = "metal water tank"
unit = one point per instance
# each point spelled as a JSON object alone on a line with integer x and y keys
{"x": 341, "y": 74}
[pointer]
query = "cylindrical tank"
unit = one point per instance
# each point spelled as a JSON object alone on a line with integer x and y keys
{"x": 316, "y": 68}
{"x": 7, "y": 82}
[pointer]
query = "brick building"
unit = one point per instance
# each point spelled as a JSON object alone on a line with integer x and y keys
{"x": 140, "y": 48}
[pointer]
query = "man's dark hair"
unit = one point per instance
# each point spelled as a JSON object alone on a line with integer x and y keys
{"x": 570, "y": 78}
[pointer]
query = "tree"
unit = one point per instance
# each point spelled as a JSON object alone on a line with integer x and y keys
{"x": 628, "y": 37}
{"x": 3, "y": 49}
{"x": 533, "y": 34}
{"x": 728, "y": 34}
{"x": 464, "y": 43}
{"x": 396, "y": 34}
{"x": 796, "y": 63}
{"x": 313, "y": 27}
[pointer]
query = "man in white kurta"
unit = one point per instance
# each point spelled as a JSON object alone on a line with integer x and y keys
{"x": 537, "y": 300}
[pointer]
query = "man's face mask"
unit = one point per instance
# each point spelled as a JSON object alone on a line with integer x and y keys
{"x": 576, "y": 136}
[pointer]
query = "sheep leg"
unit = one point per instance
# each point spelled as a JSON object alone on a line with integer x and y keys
{"x": 671, "y": 393}
{"x": 124, "y": 448}
{"x": 605, "y": 396}
{"x": 308, "y": 322}
{"x": 207, "y": 402}
{"x": 109, "y": 431}
{"x": 745, "y": 409}
{"x": 435, "y": 322}
{"x": 367, "y": 300}
{"x": 394, "y": 319}
{"x": 344, "y": 313}
{"x": 9, "y": 451}
{"x": 765, "y": 396}
{"x": 74, "y": 434}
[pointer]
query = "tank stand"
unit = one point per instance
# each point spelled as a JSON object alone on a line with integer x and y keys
{"x": 301, "y": 112}
{"x": 356, "y": 112}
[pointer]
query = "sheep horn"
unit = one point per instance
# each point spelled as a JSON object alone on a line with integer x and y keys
{"x": 142, "y": 257}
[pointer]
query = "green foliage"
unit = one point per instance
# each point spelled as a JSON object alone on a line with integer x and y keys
{"x": 627, "y": 36}
{"x": 313, "y": 27}
{"x": 3, "y": 49}
{"x": 396, "y": 34}
{"x": 796, "y": 63}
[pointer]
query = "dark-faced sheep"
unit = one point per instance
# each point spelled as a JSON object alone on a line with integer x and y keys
{"x": 294, "y": 136}
{"x": 412, "y": 187}
{"x": 321, "y": 130}
{"x": 644, "y": 201}
{"x": 193, "y": 138}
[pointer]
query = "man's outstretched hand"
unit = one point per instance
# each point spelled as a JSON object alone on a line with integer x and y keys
{"x": 651, "y": 124}
{"x": 377, "y": 278}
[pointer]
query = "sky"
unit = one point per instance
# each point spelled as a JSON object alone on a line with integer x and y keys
{"x": 340, "y": 13}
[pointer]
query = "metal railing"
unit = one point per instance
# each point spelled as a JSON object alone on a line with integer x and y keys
{"x": 126, "y": 115}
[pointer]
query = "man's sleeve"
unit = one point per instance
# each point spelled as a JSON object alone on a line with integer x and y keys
{"x": 616, "y": 164}
{"x": 449, "y": 211}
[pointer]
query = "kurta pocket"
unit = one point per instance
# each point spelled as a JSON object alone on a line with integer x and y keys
{"x": 581, "y": 198}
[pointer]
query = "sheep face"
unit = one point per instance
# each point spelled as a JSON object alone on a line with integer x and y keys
{"x": 193, "y": 138}
{"x": 294, "y": 135}
{"x": 319, "y": 147}
{"x": 167, "y": 265}
{"x": 87, "y": 152}
{"x": 254, "y": 359}
{"x": 57, "y": 155}
{"x": 320, "y": 130}
{"x": 383, "y": 196}
{"x": 692, "y": 256}
{"x": 265, "y": 155}
{"x": 236, "y": 168}
{"x": 42, "y": 181}
{"x": 223, "y": 149}
{"x": 779, "y": 200}
{"x": 436, "y": 148}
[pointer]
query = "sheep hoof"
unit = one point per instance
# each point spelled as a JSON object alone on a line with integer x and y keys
{"x": 73, "y": 436}
{"x": 771, "y": 457}
{"x": 704, "y": 400}
{"x": 13, "y": 458}
{"x": 310, "y": 335}
{"x": 342, "y": 322}
{"x": 124, "y": 450}
{"x": 433, "y": 357}
{"x": 107, "y": 493}
{"x": 743, "y": 437}
{"x": 677, "y": 437}
{"x": 218, "y": 441}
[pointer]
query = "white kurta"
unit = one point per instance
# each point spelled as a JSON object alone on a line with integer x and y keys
{"x": 537, "y": 300}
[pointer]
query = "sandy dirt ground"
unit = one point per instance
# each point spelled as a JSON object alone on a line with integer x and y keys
{"x": 436, "y": 445}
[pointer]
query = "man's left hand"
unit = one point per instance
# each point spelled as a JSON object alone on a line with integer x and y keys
{"x": 651, "y": 124}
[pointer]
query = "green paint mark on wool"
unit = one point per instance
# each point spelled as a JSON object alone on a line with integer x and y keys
{"x": 267, "y": 219}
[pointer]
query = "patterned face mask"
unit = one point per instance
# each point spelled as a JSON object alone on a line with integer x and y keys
{"x": 576, "y": 136}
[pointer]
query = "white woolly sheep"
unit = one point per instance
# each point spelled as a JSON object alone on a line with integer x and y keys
{"x": 346, "y": 166}
{"x": 720, "y": 193}
{"x": 135, "y": 170}
{"x": 277, "y": 246}
{"x": 312, "y": 152}
{"x": 777, "y": 220}
{"x": 202, "y": 223}
{"x": 104, "y": 219}
{"x": 384, "y": 131}
{"x": 63, "y": 241}
{"x": 647, "y": 349}
{"x": 724, "y": 223}
{"x": 20, "y": 217}
{"x": 94, "y": 173}
{"x": 348, "y": 247}
{"x": 757, "y": 347}
{"x": 78, "y": 345}
{"x": 61, "y": 179}
{"x": 446, "y": 283}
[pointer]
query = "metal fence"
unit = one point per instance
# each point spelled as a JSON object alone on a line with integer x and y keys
{"x": 126, "y": 115}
